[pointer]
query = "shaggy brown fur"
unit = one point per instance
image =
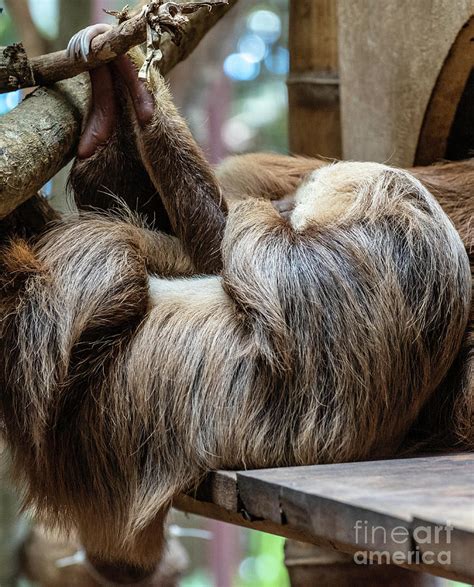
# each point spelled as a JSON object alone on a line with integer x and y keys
{"x": 453, "y": 186}
{"x": 448, "y": 420}
{"x": 321, "y": 340}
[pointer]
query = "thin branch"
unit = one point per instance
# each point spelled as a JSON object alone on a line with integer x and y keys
{"x": 50, "y": 68}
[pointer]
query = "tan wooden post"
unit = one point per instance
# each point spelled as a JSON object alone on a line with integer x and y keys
{"x": 313, "y": 84}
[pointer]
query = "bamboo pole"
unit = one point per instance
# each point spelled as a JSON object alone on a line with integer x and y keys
{"x": 313, "y": 84}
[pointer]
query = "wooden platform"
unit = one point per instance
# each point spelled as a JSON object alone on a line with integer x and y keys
{"x": 406, "y": 510}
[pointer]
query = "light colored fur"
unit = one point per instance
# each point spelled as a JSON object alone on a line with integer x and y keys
{"x": 319, "y": 342}
{"x": 204, "y": 292}
{"x": 328, "y": 193}
{"x": 262, "y": 175}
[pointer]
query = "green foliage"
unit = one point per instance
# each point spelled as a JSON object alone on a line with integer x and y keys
{"x": 264, "y": 566}
{"x": 200, "y": 578}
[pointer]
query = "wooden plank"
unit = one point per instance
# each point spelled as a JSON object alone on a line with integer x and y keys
{"x": 436, "y": 489}
{"x": 453, "y": 550}
{"x": 373, "y": 507}
{"x": 219, "y": 488}
{"x": 311, "y": 565}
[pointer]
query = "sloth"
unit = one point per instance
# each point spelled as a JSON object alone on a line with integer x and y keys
{"x": 279, "y": 312}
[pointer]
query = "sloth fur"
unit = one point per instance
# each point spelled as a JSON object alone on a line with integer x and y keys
{"x": 124, "y": 380}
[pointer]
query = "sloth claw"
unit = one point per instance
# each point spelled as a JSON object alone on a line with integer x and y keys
{"x": 80, "y": 44}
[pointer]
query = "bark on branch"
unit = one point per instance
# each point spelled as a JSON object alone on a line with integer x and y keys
{"x": 48, "y": 69}
{"x": 40, "y": 136}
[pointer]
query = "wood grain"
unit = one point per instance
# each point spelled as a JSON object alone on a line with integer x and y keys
{"x": 449, "y": 87}
{"x": 322, "y": 504}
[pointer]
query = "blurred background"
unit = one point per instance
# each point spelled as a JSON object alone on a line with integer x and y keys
{"x": 232, "y": 91}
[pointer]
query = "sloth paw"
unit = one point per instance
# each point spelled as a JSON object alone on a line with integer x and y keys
{"x": 80, "y": 44}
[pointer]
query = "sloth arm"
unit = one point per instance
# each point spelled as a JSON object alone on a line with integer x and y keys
{"x": 171, "y": 158}
{"x": 176, "y": 165}
{"x": 108, "y": 166}
{"x": 166, "y": 154}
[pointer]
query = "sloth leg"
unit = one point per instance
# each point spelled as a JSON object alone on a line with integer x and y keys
{"x": 108, "y": 166}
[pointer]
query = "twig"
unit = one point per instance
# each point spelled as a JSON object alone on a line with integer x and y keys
{"x": 52, "y": 67}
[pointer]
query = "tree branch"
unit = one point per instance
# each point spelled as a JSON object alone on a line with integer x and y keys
{"x": 40, "y": 136}
{"x": 50, "y": 68}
